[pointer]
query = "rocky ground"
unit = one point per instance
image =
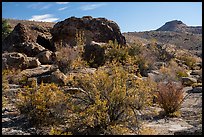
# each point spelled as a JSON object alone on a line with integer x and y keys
{"x": 190, "y": 121}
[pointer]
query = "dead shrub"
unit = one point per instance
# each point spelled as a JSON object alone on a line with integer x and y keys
{"x": 169, "y": 96}
{"x": 65, "y": 56}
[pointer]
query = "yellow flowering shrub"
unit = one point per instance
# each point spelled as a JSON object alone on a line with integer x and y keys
{"x": 106, "y": 102}
{"x": 43, "y": 105}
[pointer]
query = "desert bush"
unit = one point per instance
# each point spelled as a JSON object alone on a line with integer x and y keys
{"x": 116, "y": 52}
{"x": 190, "y": 61}
{"x": 135, "y": 49}
{"x": 8, "y": 76}
{"x": 172, "y": 72}
{"x": 43, "y": 105}
{"x": 5, "y": 80}
{"x": 106, "y": 102}
{"x": 169, "y": 96}
{"x": 6, "y": 29}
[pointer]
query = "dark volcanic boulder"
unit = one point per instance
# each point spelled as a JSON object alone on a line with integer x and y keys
{"x": 90, "y": 29}
{"x": 27, "y": 33}
{"x": 94, "y": 54}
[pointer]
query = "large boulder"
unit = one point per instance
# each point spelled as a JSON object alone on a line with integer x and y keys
{"x": 27, "y": 33}
{"x": 90, "y": 29}
{"x": 14, "y": 60}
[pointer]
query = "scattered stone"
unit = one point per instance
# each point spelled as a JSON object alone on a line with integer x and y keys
{"x": 158, "y": 65}
{"x": 196, "y": 72}
{"x": 174, "y": 128}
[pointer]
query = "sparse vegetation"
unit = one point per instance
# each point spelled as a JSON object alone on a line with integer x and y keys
{"x": 190, "y": 61}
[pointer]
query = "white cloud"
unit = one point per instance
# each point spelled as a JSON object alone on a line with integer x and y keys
{"x": 35, "y": 5}
{"x": 45, "y": 7}
{"x": 91, "y": 6}
{"x": 39, "y": 5}
{"x": 62, "y": 2}
{"x": 45, "y": 18}
{"x": 62, "y": 8}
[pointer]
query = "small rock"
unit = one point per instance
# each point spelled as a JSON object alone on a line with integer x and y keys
{"x": 188, "y": 81}
{"x": 196, "y": 90}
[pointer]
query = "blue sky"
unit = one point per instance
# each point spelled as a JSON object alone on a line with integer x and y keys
{"x": 130, "y": 16}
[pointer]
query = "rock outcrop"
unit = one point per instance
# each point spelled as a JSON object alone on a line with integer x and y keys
{"x": 90, "y": 29}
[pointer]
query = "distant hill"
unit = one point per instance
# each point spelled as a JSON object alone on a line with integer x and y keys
{"x": 179, "y": 26}
{"x": 173, "y": 32}
{"x": 14, "y": 22}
